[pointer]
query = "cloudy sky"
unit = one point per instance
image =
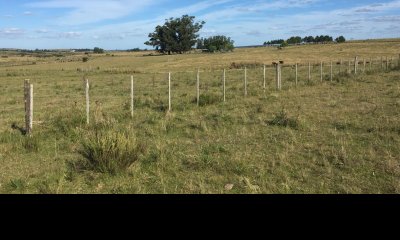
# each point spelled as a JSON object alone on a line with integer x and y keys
{"x": 125, "y": 24}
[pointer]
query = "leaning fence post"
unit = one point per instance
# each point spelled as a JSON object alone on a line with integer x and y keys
{"x": 87, "y": 102}
{"x": 198, "y": 87}
{"x": 169, "y": 91}
{"x": 132, "y": 96}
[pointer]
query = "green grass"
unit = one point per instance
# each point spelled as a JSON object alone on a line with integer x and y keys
{"x": 317, "y": 137}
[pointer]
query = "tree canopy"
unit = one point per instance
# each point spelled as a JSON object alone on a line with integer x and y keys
{"x": 218, "y": 43}
{"x": 98, "y": 50}
{"x": 340, "y": 39}
{"x": 177, "y": 35}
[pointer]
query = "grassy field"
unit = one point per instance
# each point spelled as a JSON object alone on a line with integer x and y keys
{"x": 318, "y": 137}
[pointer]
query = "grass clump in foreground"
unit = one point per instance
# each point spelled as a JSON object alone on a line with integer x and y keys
{"x": 110, "y": 152}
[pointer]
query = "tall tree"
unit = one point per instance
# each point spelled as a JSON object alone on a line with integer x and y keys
{"x": 177, "y": 35}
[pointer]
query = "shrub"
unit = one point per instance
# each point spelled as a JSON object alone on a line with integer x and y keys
{"x": 282, "y": 119}
{"x": 85, "y": 59}
{"x": 207, "y": 99}
{"x": 110, "y": 152}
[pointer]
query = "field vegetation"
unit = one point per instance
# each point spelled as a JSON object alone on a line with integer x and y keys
{"x": 340, "y": 136}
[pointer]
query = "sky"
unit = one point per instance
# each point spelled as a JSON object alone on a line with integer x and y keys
{"x": 125, "y": 24}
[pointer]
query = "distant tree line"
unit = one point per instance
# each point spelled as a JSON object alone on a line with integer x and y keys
{"x": 308, "y": 39}
{"x": 216, "y": 44}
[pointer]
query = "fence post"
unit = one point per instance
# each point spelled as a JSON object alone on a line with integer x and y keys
{"x": 331, "y": 71}
{"x": 296, "y": 73}
{"x": 370, "y": 64}
{"x": 26, "y": 102}
{"x": 355, "y": 64}
{"x": 399, "y": 61}
{"x": 87, "y": 102}
{"x": 169, "y": 92}
{"x": 365, "y": 63}
{"x": 28, "y": 99}
{"x": 387, "y": 63}
{"x": 245, "y": 81}
{"x": 277, "y": 75}
{"x": 30, "y": 109}
{"x": 309, "y": 72}
{"x": 391, "y": 62}
{"x": 264, "y": 79}
{"x": 198, "y": 87}
{"x": 224, "y": 86}
{"x": 349, "y": 70}
{"x": 132, "y": 95}
{"x": 321, "y": 71}
{"x": 381, "y": 63}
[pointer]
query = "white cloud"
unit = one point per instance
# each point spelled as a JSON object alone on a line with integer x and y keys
{"x": 92, "y": 11}
{"x": 11, "y": 32}
{"x": 28, "y": 13}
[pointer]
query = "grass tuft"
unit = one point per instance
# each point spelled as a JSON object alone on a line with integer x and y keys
{"x": 282, "y": 119}
{"x": 110, "y": 152}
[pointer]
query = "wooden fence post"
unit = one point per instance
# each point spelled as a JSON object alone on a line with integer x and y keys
{"x": 224, "y": 86}
{"x": 349, "y": 69}
{"x": 30, "y": 109}
{"x": 169, "y": 92}
{"x": 280, "y": 76}
{"x": 87, "y": 102}
{"x": 387, "y": 63}
{"x": 198, "y": 87}
{"x": 265, "y": 81}
{"x": 321, "y": 71}
{"x": 355, "y": 64}
{"x": 296, "y": 73}
{"x": 132, "y": 96}
{"x": 365, "y": 63}
{"x": 277, "y": 75}
{"x": 370, "y": 64}
{"x": 26, "y": 102}
{"x": 399, "y": 61}
{"x": 245, "y": 81}
{"x": 331, "y": 71}
{"x": 309, "y": 72}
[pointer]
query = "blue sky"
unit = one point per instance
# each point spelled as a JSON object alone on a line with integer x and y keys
{"x": 125, "y": 24}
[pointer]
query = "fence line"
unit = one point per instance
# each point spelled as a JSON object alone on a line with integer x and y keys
{"x": 390, "y": 64}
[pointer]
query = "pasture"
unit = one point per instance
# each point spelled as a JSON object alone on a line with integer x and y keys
{"x": 339, "y": 136}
